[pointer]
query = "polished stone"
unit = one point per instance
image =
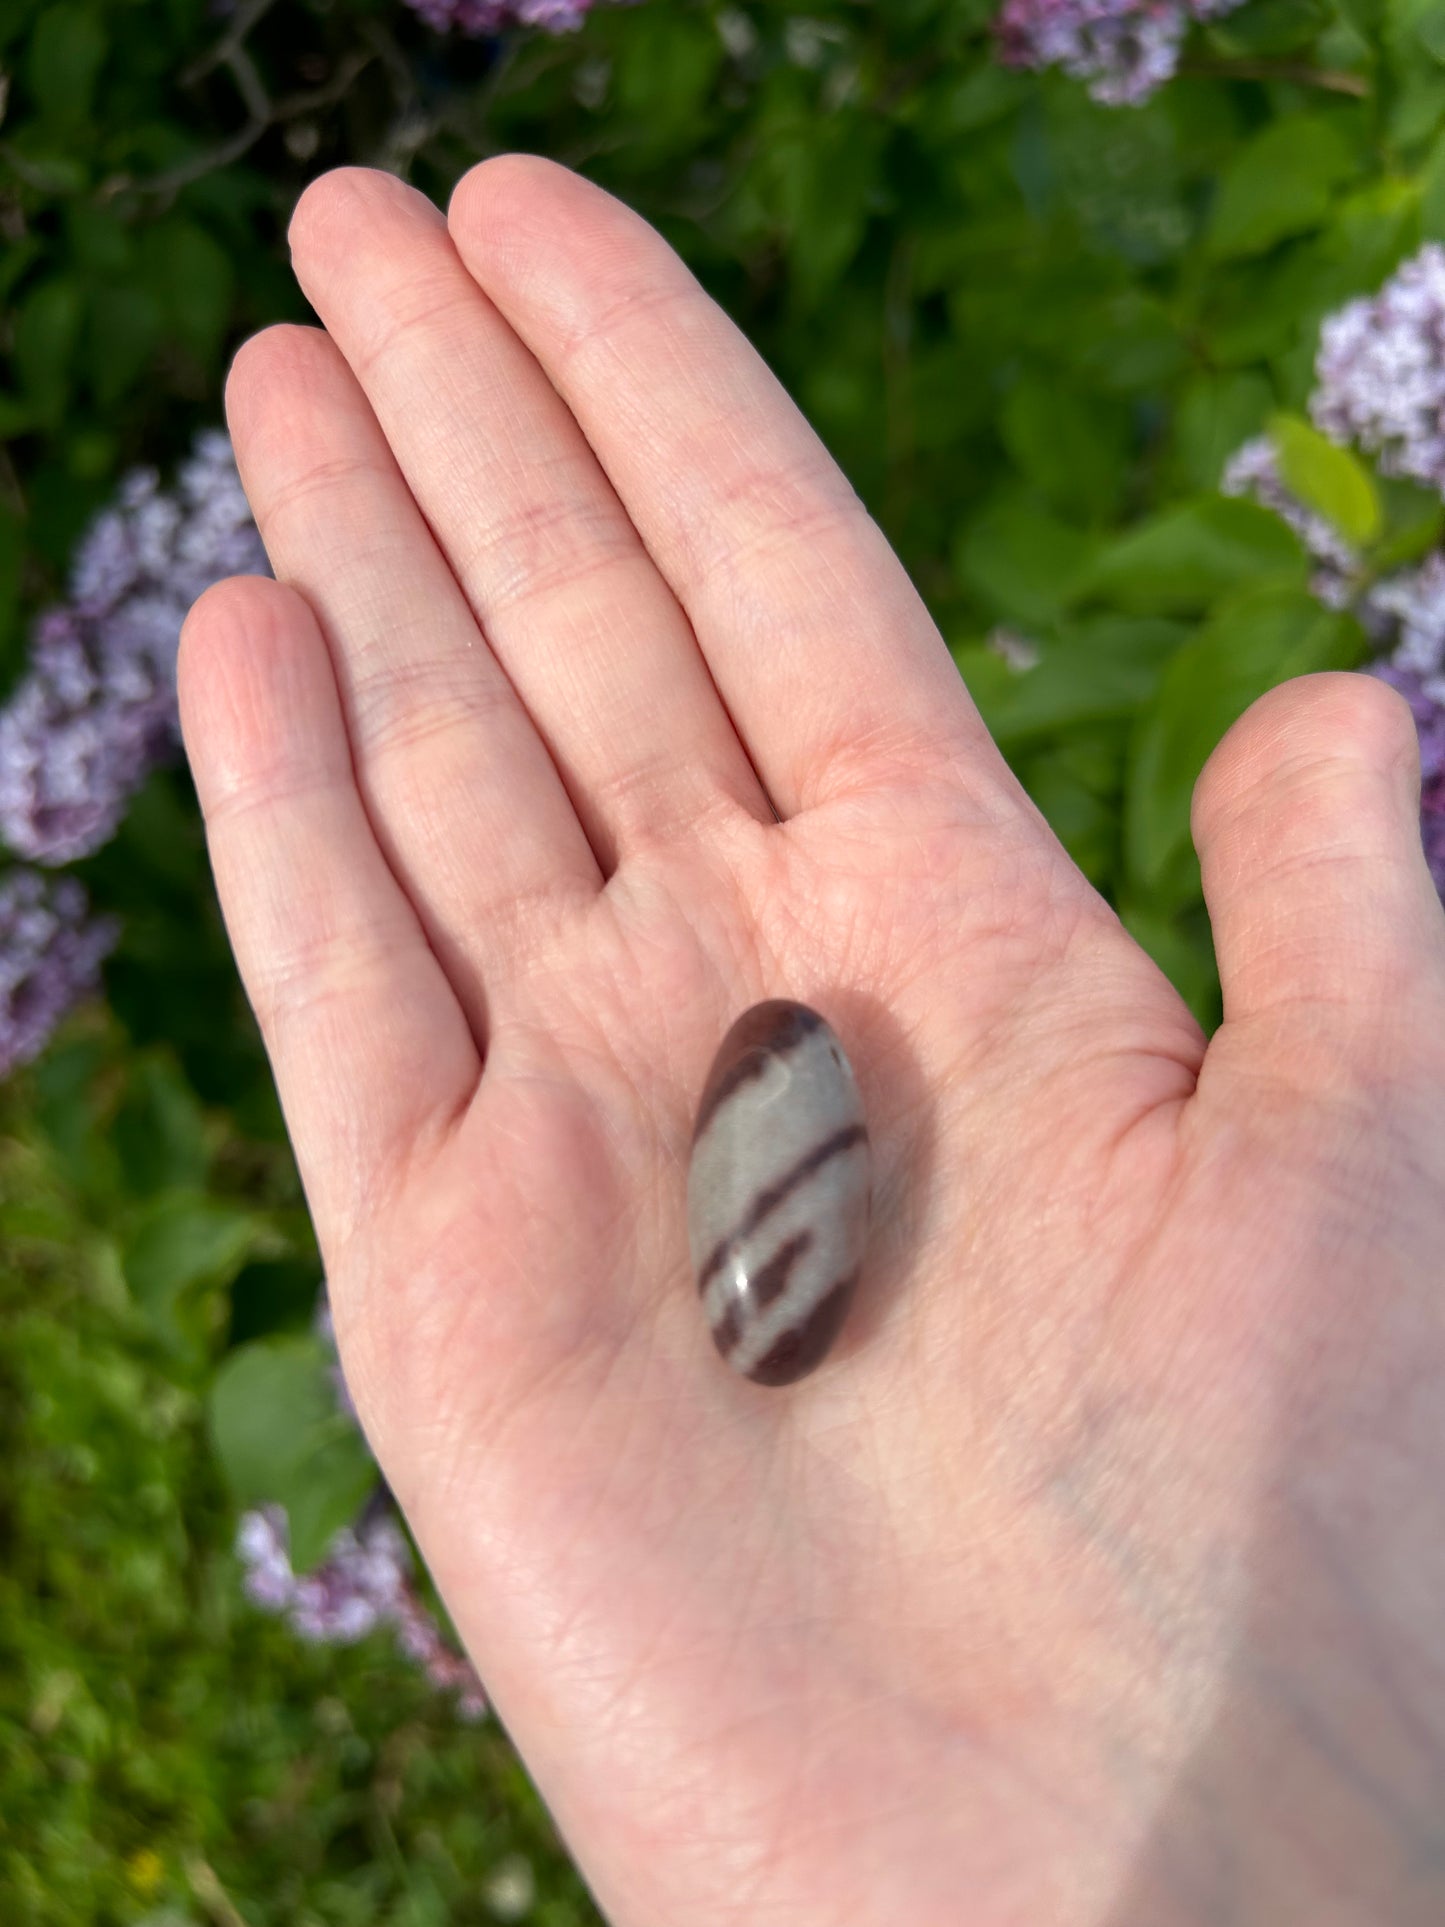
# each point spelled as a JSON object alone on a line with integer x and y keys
{"x": 778, "y": 1193}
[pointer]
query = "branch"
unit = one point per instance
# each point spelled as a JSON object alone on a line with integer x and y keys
{"x": 411, "y": 127}
{"x": 263, "y": 114}
{"x": 232, "y": 41}
{"x": 1331, "y": 79}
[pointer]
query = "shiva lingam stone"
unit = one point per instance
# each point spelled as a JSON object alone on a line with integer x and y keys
{"x": 779, "y": 1191}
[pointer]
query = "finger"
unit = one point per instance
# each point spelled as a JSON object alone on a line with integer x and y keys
{"x": 371, "y": 1051}
{"x": 827, "y": 660}
{"x": 1307, "y": 823}
{"x": 468, "y": 807}
{"x": 586, "y": 629}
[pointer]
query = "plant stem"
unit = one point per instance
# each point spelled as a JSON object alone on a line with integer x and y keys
{"x": 1332, "y": 80}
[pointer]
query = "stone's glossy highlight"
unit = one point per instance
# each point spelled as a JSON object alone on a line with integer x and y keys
{"x": 779, "y": 1191}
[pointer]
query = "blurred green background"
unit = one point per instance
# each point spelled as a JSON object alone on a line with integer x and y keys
{"x": 1032, "y": 329}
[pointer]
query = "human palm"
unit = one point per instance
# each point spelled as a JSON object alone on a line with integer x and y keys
{"x": 1095, "y": 1576}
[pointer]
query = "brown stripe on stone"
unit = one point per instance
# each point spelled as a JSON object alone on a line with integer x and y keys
{"x": 727, "y": 1330}
{"x": 766, "y": 1031}
{"x": 767, "y": 1201}
{"x": 769, "y": 1283}
{"x": 754, "y": 1296}
{"x": 803, "y": 1346}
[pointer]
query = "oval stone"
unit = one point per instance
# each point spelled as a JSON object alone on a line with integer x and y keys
{"x": 779, "y": 1190}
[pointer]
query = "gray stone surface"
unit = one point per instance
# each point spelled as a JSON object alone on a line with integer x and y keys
{"x": 779, "y": 1192}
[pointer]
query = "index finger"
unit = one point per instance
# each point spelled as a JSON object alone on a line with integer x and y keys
{"x": 830, "y": 665}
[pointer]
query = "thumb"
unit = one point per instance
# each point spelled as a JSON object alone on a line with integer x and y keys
{"x": 1306, "y": 820}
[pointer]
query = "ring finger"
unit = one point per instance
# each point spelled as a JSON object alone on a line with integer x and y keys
{"x": 464, "y": 799}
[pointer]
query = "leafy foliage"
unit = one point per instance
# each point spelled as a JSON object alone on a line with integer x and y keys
{"x": 1032, "y": 328}
{"x": 281, "y": 1438}
{"x": 169, "y": 1755}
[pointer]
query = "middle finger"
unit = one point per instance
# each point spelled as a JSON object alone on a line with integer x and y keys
{"x": 568, "y": 597}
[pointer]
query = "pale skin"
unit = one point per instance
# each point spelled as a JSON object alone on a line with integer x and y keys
{"x": 1098, "y": 1578}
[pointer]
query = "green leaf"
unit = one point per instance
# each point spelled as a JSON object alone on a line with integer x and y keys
{"x": 1280, "y": 183}
{"x": 282, "y": 1439}
{"x": 12, "y": 549}
{"x": 1187, "y": 557}
{"x": 1254, "y": 311}
{"x": 1432, "y": 194}
{"x": 824, "y": 173}
{"x": 1327, "y": 478}
{"x": 1215, "y": 413}
{"x": 67, "y": 50}
{"x": 46, "y": 331}
{"x": 100, "y": 241}
{"x": 124, "y": 329}
{"x": 1269, "y": 27}
{"x": 1129, "y": 342}
{"x": 1076, "y": 783}
{"x": 1251, "y": 643}
{"x": 1070, "y": 446}
{"x": 16, "y": 258}
{"x": 1420, "y": 24}
{"x": 1363, "y": 16}
{"x": 182, "y": 1242}
{"x": 159, "y": 1131}
{"x": 966, "y": 101}
{"x": 1022, "y": 561}
{"x": 16, "y": 417}
{"x": 66, "y": 1111}
{"x": 1414, "y": 524}
{"x": 663, "y": 77}
{"x": 190, "y": 274}
{"x": 1091, "y": 671}
{"x": 1181, "y": 943}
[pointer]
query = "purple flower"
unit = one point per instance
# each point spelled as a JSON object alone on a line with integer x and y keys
{"x": 359, "y": 1585}
{"x": 1380, "y": 371}
{"x": 1428, "y": 712}
{"x": 1020, "y": 652}
{"x": 170, "y": 547}
{"x": 50, "y": 954}
{"x": 1408, "y": 611}
{"x": 262, "y": 1547}
{"x": 1429, "y": 716}
{"x": 325, "y": 1330}
{"x": 364, "y": 1582}
{"x": 1403, "y": 614}
{"x": 1125, "y": 49}
{"x": 474, "y": 18}
{"x": 97, "y": 708}
{"x": 80, "y": 733}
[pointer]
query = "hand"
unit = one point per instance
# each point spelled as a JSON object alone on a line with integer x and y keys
{"x": 1098, "y": 1576}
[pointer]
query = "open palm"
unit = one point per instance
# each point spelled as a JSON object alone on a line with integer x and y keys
{"x": 594, "y": 709}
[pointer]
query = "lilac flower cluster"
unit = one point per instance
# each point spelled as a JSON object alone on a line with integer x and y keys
{"x": 474, "y": 18}
{"x": 1417, "y": 669}
{"x": 1407, "y": 612}
{"x": 97, "y": 708}
{"x": 1020, "y": 652}
{"x": 1380, "y": 382}
{"x": 325, "y": 1329}
{"x": 50, "y": 955}
{"x": 1380, "y": 372}
{"x": 366, "y": 1581}
{"x": 1125, "y": 49}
